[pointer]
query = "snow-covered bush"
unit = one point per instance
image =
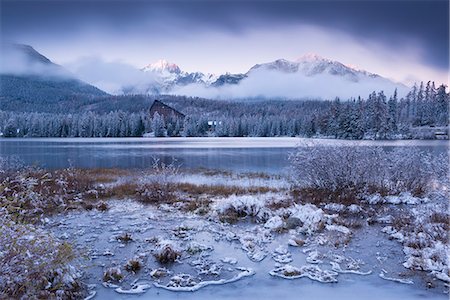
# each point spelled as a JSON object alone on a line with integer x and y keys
{"x": 342, "y": 173}
{"x": 166, "y": 252}
{"x": 307, "y": 217}
{"x": 33, "y": 264}
{"x": 155, "y": 186}
{"x": 232, "y": 208}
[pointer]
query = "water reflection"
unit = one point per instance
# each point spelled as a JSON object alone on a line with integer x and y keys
{"x": 235, "y": 154}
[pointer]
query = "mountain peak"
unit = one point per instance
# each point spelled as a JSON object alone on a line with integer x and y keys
{"x": 161, "y": 66}
{"x": 310, "y": 57}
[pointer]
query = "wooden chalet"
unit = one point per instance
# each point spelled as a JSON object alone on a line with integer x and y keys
{"x": 165, "y": 111}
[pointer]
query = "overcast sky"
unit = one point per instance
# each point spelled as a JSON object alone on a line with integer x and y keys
{"x": 402, "y": 40}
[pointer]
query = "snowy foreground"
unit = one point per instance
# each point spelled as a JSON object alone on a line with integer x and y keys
{"x": 259, "y": 245}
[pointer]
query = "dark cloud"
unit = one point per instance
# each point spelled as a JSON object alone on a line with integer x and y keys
{"x": 389, "y": 22}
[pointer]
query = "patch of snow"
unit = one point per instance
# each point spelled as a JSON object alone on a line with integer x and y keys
{"x": 307, "y": 217}
{"x": 275, "y": 223}
{"x": 229, "y": 260}
{"x": 186, "y": 283}
{"x": 310, "y": 271}
{"x": 337, "y": 268}
{"x": 335, "y": 207}
{"x": 399, "y": 280}
{"x": 136, "y": 288}
{"x": 314, "y": 257}
{"x": 339, "y": 228}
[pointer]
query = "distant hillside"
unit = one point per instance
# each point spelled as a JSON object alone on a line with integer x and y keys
{"x": 30, "y": 81}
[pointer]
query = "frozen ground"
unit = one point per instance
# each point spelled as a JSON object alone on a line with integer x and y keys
{"x": 256, "y": 257}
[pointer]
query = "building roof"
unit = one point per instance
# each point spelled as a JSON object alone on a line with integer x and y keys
{"x": 164, "y": 110}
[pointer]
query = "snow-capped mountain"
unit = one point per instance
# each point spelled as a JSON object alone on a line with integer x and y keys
{"x": 162, "y": 66}
{"x": 312, "y": 65}
{"x": 309, "y": 76}
{"x": 170, "y": 74}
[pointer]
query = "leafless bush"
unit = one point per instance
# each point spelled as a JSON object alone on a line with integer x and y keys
{"x": 155, "y": 186}
{"x": 344, "y": 173}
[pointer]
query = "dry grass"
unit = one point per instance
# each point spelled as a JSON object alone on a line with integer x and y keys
{"x": 231, "y": 215}
{"x": 167, "y": 255}
{"x": 133, "y": 265}
{"x": 439, "y": 217}
{"x": 156, "y": 193}
{"x": 219, "y": 190}
{"x": 402, "y": 221}
{"x": 30, "y": 193}
{"x": 113, "y": 275}
{"x": 103, "y": 175}
{"x": 125, "y": 238}
{"x": 102, "y": 206}
{"x": 318, "y": 196}
{"x": 200, "y": 206}
{"x": 121, "y": 190}
{"x": 284, "y": 203}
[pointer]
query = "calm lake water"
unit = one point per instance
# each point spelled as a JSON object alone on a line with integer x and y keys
{"x": 234, "y": 154}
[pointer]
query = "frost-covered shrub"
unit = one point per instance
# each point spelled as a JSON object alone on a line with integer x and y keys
{"x": 307, "y": 217}
{"x": 34, "y": 265}
{"x": 423, "y": 231}
{"x": 156, "y": 185}
{"x": 133, "y": 265}
{"x": 232, "y": 208}
{"x": 166, "y": 252}
{"x": 28, "y": 194}
{"x": 113, "y": 274}
{"x": 342, "y": 173}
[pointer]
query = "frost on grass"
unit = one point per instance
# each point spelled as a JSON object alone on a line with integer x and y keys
{"x": 159, "y": 273}
{"x": 233, "y": 208}
{"x": 113, "y": 274}
{"x": 282, "y": 255}
{"x": 310, "y": 271}
{"x": 423, "y": 233}
{"x": 30, "y": 194}
{"x": 34, "y": 264}
{"x": 254, "y": 243}
{"x": 155, "y": 185}
{"x": 166, "y": 252}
